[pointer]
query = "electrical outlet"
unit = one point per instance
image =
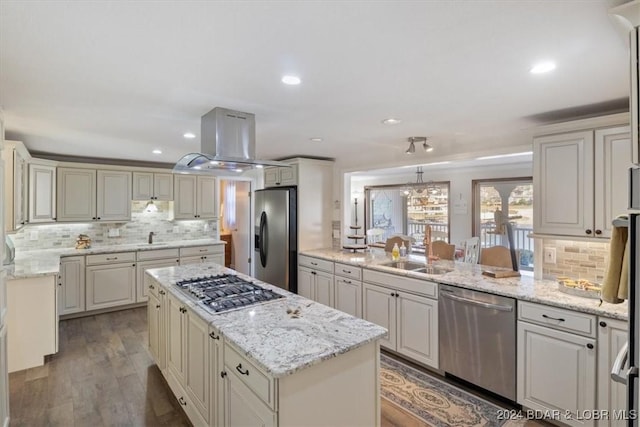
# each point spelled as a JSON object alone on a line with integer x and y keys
{"x": 549, "y": 255}
{"x": 33, "y": 235}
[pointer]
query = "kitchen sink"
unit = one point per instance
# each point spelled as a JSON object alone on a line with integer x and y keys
{"x": 418, "y": 267}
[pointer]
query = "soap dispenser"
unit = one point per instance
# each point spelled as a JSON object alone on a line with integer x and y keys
{"x": 403, "y": 251}
{"x": 395, "y": 252}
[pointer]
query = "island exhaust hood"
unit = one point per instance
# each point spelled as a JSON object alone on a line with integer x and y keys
{"x": 228, "y": 145}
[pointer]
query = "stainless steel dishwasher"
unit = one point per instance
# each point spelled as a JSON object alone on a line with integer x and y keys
{"x": 478, "y": 338}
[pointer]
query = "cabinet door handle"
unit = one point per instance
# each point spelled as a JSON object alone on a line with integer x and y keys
{"x": 112, "y": 259}
{"x": 93, "y": 217}
{"x": 182, "y": 401}
{"x": 590, "y": 346}
{"x": 98, "y": 217}
{"x": 162, "y": 292}
{"x": 158, "y": 306}
{"x": 559, "y": 319}
{"x": 598, "y": 232}
{"x": 588, "y": 231}
{"x": 603, "y": 324}
{"x": 214, "y": 336}
{"x": 393, "y": 294}
{"x": 346, "y": 271}
{"x": 347, "y": 281}
{"x": 314, "y": 263}
{"x": 239, "y": 369}
{"x": 314, "y": 273}
{"x": 223, "y": 374}
{"x": 151, "y": 287}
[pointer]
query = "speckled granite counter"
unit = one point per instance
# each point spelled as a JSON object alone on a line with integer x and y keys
{"x": 47, "y": 262}
{"x": 470, "y": 276}
{"x": 265, "y": 333}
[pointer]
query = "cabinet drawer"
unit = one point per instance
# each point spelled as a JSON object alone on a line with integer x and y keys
{"x": 315, "y": 263}
{"x": 346, "y": 270}
{"x": 158, "y": 254}
{"x": 416, "y": 286}
{"x": 111, "y": 258}
{"x": 202, "y": 250}
{"x": 558, "y": 318}
{"x": 259, "y": 382}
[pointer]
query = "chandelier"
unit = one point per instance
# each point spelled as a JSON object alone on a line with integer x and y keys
{"x": 420, "y": 187}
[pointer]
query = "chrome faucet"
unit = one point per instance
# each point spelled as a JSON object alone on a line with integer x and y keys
{"x": 151, "y": 234}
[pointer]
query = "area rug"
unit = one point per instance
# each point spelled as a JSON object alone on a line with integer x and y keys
{"x": 436, "y": 402}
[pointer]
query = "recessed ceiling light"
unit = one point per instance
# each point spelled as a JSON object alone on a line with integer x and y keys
{"x": 291, "y": 80}
{"x": 543, "y": 67}
{"x": 500, "y": 156}
{"x": 315, "y": 139}
{"x": 238, "y": 170}
{"x": 259, "y": 166}
{"x": 391, "y": 121}
{"x": 189, "y": 135}
{"x": 156, "y": 151}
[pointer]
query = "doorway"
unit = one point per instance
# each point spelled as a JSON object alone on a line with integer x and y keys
{"x": 235, "y": 222}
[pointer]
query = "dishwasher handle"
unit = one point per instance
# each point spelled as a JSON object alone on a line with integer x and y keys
{"x": 619, "y": 364}
{"x": 476, "y": 302}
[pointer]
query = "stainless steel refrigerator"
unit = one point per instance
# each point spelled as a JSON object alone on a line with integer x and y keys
{"x": 276, "y": 237}
{"x": 625, "y": 368}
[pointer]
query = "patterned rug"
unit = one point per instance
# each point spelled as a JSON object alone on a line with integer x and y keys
{"x": 435, "y": 402}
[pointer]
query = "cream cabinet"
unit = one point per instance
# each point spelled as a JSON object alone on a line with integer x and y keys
{"x": 348, "y": 289}
{"x": 408, "y": 308}
{"x": 42, "y": 192}
{"x": 155, "y": 320}
{"x": 556, "y": 362}
{"x": 32, "y": 321}
{"x": 216, "y": 385}
{"x": 243, "y": 408}
{"x": 152, "y": 186}
{"x": 188, "y": 360}
{"x": 194, "y": 197}
{"x": 4, "y": 378}
{"x": 16, "y": 175}
{"x": 612, "y": 336}
{"x": 93, "y": 195}
{"x": 200, "y": 254}
{"x": 316, "y": 285}
{"x": 580, "y": 180}
{"x": 113, "y": 195}
{"x": 71, "y": 285}
{"x": 76, "y": 194}
{"x": 110, "y": 280}
{"x": 281, "y": 176}
{"x": 159, "y": 258}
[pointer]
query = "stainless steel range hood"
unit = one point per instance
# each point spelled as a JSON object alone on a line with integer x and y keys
{"x": 228, "y": 144}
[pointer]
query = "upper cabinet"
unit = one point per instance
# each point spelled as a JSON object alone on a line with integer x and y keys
{"x": 152, "y": 186}
{"x": 42, "y": 192}
{"x": 280, "y": 176}
{"x": 16, "y": 158}
{"x": 194, "y": 197}
{"x": 90, "y": 195}
{"x": 580, "y": 180}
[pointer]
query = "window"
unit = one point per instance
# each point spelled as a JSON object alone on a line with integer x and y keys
{"x": 496, "y": 201}
{"x": 407, "y": 209}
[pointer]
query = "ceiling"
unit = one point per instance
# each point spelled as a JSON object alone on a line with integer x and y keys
{"x": 119, "y": 79}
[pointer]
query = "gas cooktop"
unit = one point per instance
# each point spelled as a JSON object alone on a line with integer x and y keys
{"x": 225, "y": 292}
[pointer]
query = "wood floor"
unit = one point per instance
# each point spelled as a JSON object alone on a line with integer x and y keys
{"x": 103, "y": 375}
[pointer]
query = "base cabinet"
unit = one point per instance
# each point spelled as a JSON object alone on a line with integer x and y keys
{"x": 110, "y": 285}
{"x": 612, "y": 396}
{"x": 154, "y": 320}
{"x": 142, "y": 292}
{"x": 316, "y": 285}
{"x": 4, "y": 379}
{"x": 556, "y": 372}
{"x": 348, "y": 296}
{"x": 71, "y": 285}
{"x": 243, "y": 408}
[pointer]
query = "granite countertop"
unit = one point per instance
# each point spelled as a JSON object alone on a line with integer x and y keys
{"x": 524, "y": 288}
{"x": 265, "y": 333}
{"x": 47, "y": 262}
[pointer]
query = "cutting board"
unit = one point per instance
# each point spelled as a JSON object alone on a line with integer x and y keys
{"x": 499, "y": 274}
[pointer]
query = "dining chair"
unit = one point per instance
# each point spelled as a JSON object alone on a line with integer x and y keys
{"x": 472, "y": 250}
{"x": 443, "y": 250}
{"x": 374, "y": 235}
{"x": 388, "y": 245}
{"x": 496, "y": 256}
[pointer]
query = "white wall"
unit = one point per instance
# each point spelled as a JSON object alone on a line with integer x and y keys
{"x": 460, "y": 189}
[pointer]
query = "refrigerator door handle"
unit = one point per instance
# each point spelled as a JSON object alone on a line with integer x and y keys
{"x": 263, "y": 236}
{"x": 619, "y": 364}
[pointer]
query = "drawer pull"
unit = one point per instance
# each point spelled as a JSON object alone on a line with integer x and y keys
{"x": 603, "y": 324}
{"x": 346, "y": 271}
{"x": 559, "y": 319}
{"x": 223, "y": 374}
{"x": 158, "y": 306}
{"x": 347, "y": 281}
{"x": 203, "y": 250}
{"x": 239, "y": 369}
{"x": 182, "y": 401}
{"x": 590, "y": 346}
{"x": 214, "y": 336}
{"x": 314, "y": 263}
{"x": 112, "y": 259}
{"x": 151, "y": 287}
{"x": 162, "y": 292}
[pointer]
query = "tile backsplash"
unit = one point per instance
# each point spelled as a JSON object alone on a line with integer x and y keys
{"x": 577, "y": 260}
{"x": 136, "y": 231}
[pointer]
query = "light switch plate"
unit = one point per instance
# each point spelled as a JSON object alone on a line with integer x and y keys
{"x": 336, "y": 234}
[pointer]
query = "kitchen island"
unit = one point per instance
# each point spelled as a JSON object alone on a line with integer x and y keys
{"x": 287, "y": 362}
